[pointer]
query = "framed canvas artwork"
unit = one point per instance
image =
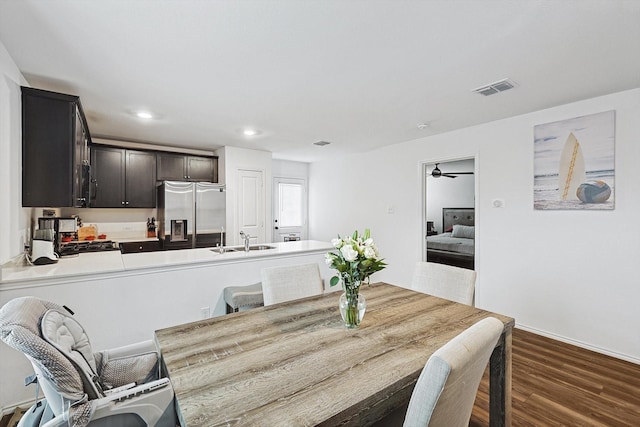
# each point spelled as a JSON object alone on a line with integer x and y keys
{"x": 574, "y": 164}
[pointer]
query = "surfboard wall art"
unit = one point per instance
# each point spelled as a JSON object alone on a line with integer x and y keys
{"x": 574, "y": 163}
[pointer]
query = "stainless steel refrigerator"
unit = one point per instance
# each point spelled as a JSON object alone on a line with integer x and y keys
{"x": 191, "y": 214}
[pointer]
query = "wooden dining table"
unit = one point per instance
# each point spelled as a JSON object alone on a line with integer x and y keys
{"x": 295, "y": 364}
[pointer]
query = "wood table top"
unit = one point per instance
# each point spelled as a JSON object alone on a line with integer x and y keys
{"x": 295, "y": 364}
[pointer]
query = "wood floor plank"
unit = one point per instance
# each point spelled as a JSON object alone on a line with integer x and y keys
{"x": 558, "y": 384}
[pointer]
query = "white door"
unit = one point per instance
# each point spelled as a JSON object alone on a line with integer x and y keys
{"x": 250, "y": 209}
{"x": 289, "y": 209}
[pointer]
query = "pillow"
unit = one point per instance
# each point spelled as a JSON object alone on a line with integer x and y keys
{"x": 464, "y": 231}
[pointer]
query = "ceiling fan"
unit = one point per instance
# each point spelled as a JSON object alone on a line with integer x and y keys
{"x": 437, "y": 173}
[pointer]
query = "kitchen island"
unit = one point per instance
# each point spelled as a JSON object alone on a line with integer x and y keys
{"x": 123, "y": 298}
{"x": 88, "y": 264}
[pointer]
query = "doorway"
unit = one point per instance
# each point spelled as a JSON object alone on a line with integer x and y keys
{"x": 250, "y": 204}
{"x": 289, "y": 209}
{"x": 448, "y": 196}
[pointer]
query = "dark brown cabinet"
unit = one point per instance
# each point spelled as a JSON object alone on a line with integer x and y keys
{"x": 55, "y": 154}
{"x": 180, "y": 167}
{"x": 144, "y": 246}
{"x": 123, "y": 178}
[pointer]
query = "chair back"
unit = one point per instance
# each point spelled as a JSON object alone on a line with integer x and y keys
{"x": 22, "y": 322}
{"x": 445, "y": 281}
{"x": 446, "y": 389}
{"x": 280, "y": 284}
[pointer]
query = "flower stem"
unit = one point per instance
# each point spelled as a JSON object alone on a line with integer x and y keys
{"x": 351, "y": 314}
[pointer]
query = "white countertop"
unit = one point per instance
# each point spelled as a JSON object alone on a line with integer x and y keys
{"x": 113, "y": 261}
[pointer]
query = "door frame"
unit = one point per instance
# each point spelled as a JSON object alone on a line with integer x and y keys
{"x": 261, "y": 209}
{"x": 423, "y": 176}
{"x": 274, "y": 205}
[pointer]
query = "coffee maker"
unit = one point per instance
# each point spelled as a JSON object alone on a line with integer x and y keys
{"x": 62, "y": 227}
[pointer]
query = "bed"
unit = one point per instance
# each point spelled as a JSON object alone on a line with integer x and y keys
{"x": 456, "y": 245}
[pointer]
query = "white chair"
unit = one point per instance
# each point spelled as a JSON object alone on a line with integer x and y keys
{"x": 280, "y": 284}
{"x": 447, "y": 386}
{"x": 445, "y": 281}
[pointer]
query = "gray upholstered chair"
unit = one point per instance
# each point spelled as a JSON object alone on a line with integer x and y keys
{"x": 280, "y": 284}
{"x": 445, "y": 281}
{"x": 115, "y": 387}
{"x": 248, "y": 296}
{"x": 446, "y": 388}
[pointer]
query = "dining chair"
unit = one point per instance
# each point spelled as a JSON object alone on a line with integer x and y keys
{"x": 280, "y": 284}
{"x": 445, "y": 281}
{"x": 447, "y": 386}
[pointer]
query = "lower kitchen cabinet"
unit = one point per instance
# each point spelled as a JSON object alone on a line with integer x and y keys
{"x": 144, "y": 246}
{"x": 123, "y": 178}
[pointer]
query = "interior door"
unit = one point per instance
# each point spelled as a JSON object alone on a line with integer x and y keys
{"x": 250, "y": 204}
{"x": 289, "y": 209}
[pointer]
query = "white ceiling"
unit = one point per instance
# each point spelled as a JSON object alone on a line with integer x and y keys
{"x": 358, "y": 73}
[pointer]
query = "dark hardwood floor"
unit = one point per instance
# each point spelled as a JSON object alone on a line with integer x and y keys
{"x": 557, "y": 384}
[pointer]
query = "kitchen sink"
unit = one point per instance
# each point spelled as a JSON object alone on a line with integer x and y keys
{"x": 241, "y": 248}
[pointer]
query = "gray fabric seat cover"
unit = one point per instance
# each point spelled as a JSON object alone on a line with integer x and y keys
{"x": 60, "y": 350}
{"x": 244, "y": 296}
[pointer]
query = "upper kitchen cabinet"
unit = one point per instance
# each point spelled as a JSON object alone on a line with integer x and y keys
{"x": 180, "y": 167}
{"x": 123, "y": 178}
{"x": 55, "y": 153}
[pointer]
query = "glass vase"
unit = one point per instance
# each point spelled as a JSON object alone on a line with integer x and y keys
{"x": 352, "y": 308}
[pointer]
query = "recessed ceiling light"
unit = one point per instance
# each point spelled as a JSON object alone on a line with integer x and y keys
{"x": 144, "y": 115}
{"x": 249, "y": 132}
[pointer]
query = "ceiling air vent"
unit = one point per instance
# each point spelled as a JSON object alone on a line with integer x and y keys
{"x": 321, "y": 143}
{"x": 499, "y": 86}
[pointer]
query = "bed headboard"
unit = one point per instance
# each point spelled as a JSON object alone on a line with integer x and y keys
{"x": 453, "y": 216}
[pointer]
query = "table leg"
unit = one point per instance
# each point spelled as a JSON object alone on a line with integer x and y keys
{"x": 500, "y": 383}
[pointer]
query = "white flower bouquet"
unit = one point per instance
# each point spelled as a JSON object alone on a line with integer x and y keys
{"x": 356, "y": 259}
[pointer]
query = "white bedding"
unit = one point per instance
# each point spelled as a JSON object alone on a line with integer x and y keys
{"x": 445, "y": 242}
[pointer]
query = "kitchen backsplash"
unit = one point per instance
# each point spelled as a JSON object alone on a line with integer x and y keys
{"x": 120, "y": 231}
{"x": 117, "y": 224}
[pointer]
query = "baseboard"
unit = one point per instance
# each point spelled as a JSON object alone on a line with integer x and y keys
{"x": 20, "y": 406}
{"x": 580, "y": 344}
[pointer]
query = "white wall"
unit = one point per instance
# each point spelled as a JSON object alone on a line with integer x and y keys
{"x": 566, "y": 274}
{"x": 289, "y": 169}
{"x": 14, "y": 220}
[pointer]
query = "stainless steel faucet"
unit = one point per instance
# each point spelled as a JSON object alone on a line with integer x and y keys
{"x": 221, "y": 244}
{"x": 246, "y": 238}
